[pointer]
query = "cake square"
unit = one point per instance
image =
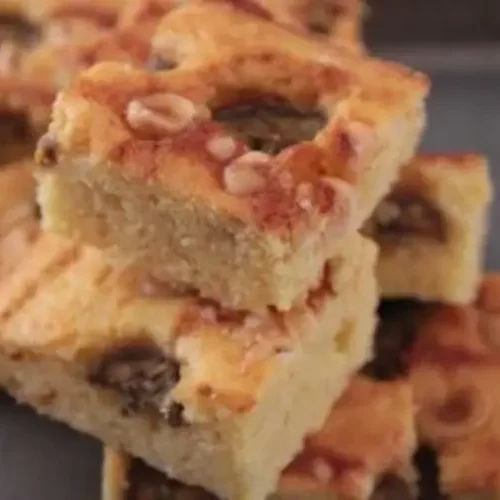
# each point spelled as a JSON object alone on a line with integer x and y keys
{"x": 168, "y": 170}
{"x": 217, "y": 398}
{"x": 364, "y": 450}
{"x": 431, "y": 229}
{"x": 455, "y": 365}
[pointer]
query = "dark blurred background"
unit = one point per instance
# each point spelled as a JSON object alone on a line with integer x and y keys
{"x": 457, "y": 42}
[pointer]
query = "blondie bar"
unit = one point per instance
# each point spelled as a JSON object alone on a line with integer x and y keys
{"x": 216, "y": 179}
{"x": 363, "y": 451}
{"x": 215, "y": 398}
{"x": 431, "y": 229}
{"x": 455, "y": 366}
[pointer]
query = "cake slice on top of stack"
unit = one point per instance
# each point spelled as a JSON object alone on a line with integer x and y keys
{"x": 217, "y": 179}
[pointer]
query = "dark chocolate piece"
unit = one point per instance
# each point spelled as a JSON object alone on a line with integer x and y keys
{"x": 270, "y": 125}
{"x": 143, "y": 376}
{"x": 407, "y": 214}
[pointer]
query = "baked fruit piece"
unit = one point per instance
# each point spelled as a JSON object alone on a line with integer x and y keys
{"x": 455, "y": 366}
{"x": 365, "y": 446}
{"x": 215, "y": 398}
{"x": 172, "y": 170}
{"x": 432, "y": 229}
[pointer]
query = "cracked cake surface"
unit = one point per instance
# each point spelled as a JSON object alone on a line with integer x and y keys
{"x": 432, "y": 228}
{"x": 262, "y": 206}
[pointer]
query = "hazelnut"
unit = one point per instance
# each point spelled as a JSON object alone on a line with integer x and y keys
{"x": 222, "y": 147}
{"x": 161, "y": 114}
{"x": 247, "y": 174}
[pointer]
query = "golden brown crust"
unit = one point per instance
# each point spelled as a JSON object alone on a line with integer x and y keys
{"x": 225, "y": 79}
{"x": 369, "y": 433}
{"x": 455, "y": 364}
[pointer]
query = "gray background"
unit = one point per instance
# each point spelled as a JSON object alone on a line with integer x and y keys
{"x": 41, "y": 460}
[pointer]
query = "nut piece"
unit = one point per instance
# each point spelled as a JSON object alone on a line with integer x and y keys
{"x": 47, "y": 151}
{"x": 247, "y": 174}
{"x": 322, "y": 470}
{"x": 343, "y": 203}
{"x": 163, "y": 114}
{"x": 222, "y": 147}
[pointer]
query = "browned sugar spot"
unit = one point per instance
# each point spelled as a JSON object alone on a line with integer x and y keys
{"x": 270, "y": 124}
{"x": 143, "y": 375}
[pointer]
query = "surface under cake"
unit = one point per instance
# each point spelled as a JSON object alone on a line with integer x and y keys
{"x": 365, "y": 446}
{"x": 216, "y": 398}
{"x": 215, "y": 179}
{"x": 431, "y": 229}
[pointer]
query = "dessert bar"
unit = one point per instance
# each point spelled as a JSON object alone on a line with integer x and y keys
{"x": 217, "y": 180}
{"x": 364, "y": 450}
{"x": 215, "y": 398}
{"x": 431, "y": 229}
{"x": 455, "y": 370}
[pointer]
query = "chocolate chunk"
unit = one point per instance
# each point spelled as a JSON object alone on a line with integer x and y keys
{"x": 146, "y": 483}
{"x": 270, "y": 125}
{"x": 157, "y": 63}
{"x": 393, "y": 487}
{"x": 399, "y": 322}
{"x": 408, "y": 214}
{"x": 144, "y": 377}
